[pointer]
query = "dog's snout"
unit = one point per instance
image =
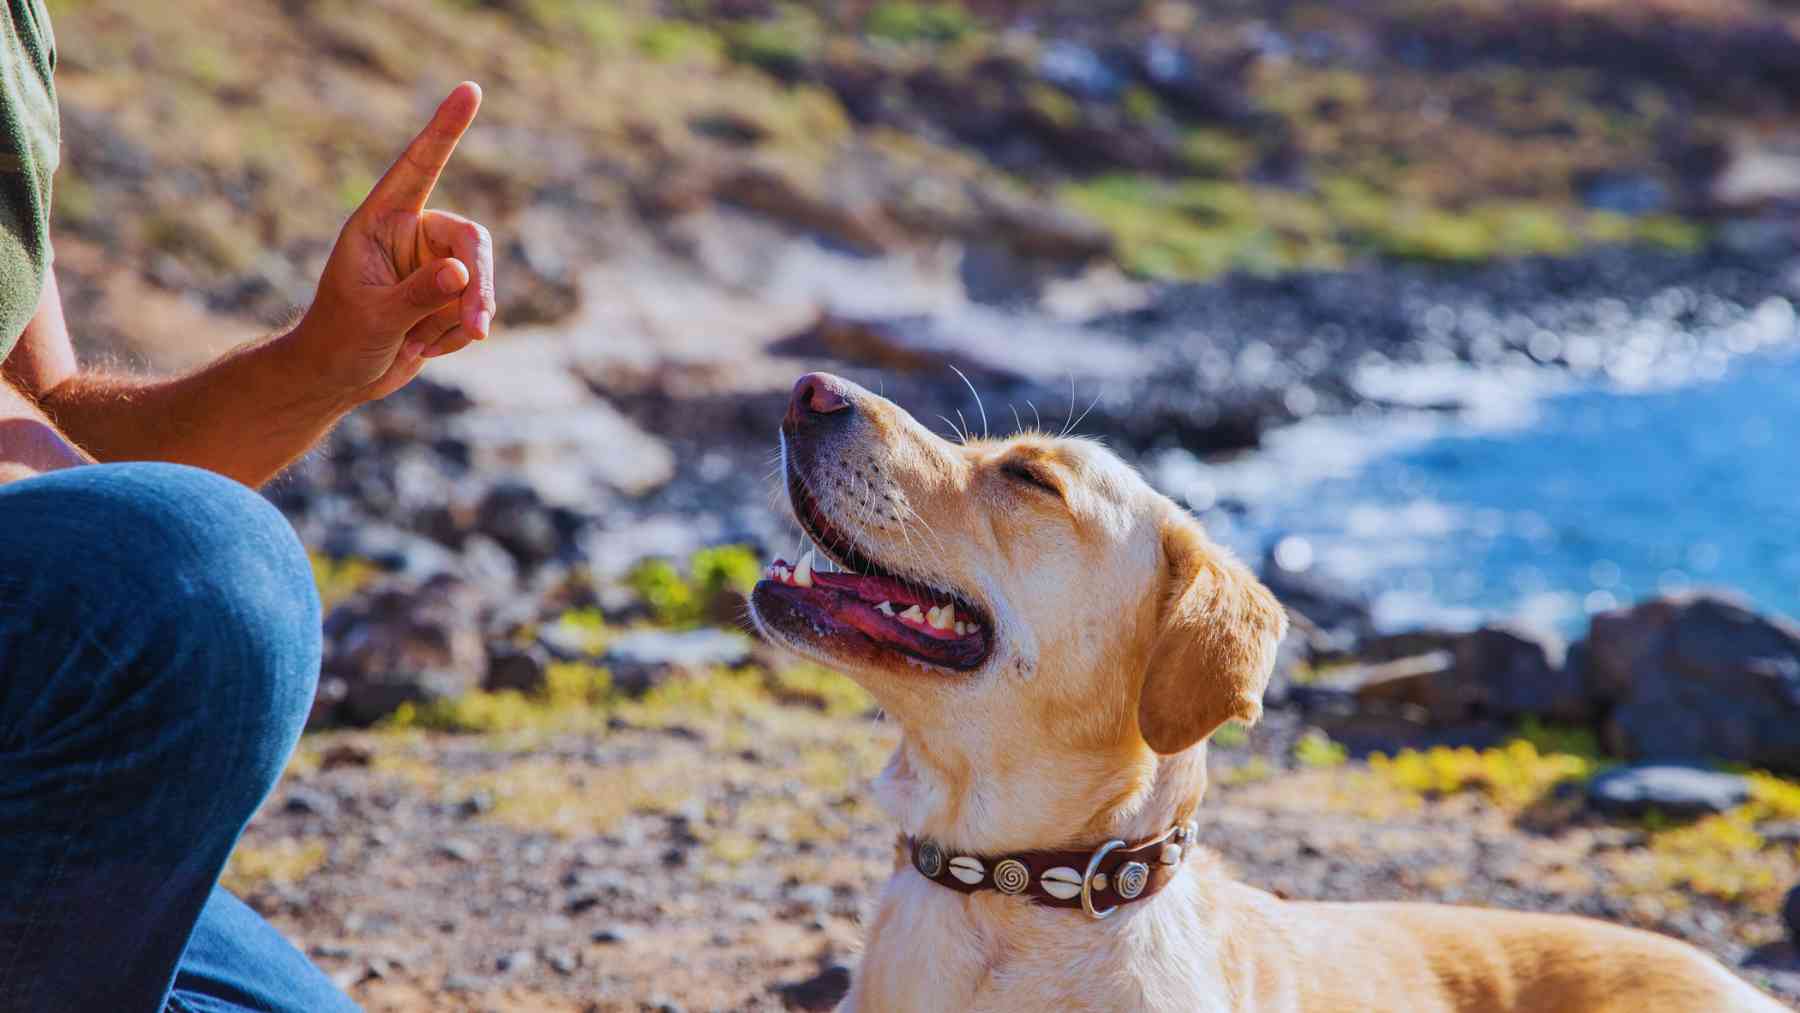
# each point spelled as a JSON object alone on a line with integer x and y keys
{"x": 816, "y": 396}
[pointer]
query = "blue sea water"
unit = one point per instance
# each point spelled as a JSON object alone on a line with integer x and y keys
{"x": 1593, "y": 497}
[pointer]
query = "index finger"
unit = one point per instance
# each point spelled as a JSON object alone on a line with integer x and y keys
{"x": 408, "y": 183}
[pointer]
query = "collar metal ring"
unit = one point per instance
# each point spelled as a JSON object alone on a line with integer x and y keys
{"x": 1087, "y": 881}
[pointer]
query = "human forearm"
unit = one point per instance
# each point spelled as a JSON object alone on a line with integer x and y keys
{"x": 247, "y": 415}
{"x": 29, "y": 443}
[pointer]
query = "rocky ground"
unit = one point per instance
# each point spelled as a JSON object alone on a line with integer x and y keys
{"x": 549, "y": 770}
{"x": 717, "y": 852}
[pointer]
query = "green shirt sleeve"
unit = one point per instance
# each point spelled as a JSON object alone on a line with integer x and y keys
{"x": 30, "y": 146}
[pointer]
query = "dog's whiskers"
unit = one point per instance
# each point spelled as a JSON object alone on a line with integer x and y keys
{"x": 978, "y": 405}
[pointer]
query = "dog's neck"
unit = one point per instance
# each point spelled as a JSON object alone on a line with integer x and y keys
{"x": 978, "y": 811}
{"x": 981, "y": 947}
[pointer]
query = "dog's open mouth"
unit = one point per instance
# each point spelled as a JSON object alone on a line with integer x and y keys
{"x": 867, "y": 607}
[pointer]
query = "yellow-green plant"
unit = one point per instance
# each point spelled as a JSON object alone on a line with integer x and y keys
{"x": 1315, "y": 749}
{"x": 338, "y": 579}
{"x": 1513, "y": 775}
{"x": 681, "y": 601}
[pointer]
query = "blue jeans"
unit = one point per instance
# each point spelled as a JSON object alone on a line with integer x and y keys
{"x": 159, "y": 645}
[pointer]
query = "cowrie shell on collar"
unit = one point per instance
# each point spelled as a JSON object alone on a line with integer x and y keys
{"x": 1062, "y": 882}
{"x": 966, "y": 869}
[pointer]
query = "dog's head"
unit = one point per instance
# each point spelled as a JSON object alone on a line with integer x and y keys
{"x": 1042, "y": 623}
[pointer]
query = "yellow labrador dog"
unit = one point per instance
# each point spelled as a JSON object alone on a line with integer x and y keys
{"x": 1057, "y": 641}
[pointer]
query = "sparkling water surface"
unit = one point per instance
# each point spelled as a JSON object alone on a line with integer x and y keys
{"x": 1554, "y": 507}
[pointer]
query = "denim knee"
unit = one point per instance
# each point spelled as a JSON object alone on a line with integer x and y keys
{"x": 205, "y": 586}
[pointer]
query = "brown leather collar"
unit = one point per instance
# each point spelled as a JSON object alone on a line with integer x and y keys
{"x": 1098, "y": 881}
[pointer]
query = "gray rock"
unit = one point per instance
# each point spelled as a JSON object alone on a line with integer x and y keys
{"x": 516, "y": 961}
{"x": 1698, "y": 677}
{"x": 1790, "y": 914}
{"x": 516, "y": 668}
{"x": 822, "y": 991}
{"x": 399, "y": 642}
{"x": 1080, "y": 71}
{"x": 512, "y": 514}
{"x": 641, "y": 658}
{"x": 311, "y": 802}
{"x": 391, "y": 549}
{"x": 1675, "y": 792}
{"x": 1500, "y": 672}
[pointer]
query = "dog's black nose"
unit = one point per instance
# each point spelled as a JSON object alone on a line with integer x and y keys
{"x": 816, "y": 395}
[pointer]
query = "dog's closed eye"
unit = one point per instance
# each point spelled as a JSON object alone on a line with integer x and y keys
{"x": 1026, "y": 473}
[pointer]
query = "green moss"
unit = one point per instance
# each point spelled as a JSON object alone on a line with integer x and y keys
{"x": 1217, "y": 153}
{"x": 1429, "y": 234}
{"x": 673, "y": 41}
{"x": 681, "y": 600}
{"x": 1200, "y": 228}
{"x": 1249, "y": 772}
{"x": 1315, "y": 749}
{"x": 1230, "y": 736}
{"x": 782, "y": 46}
{"x": 1674, "y": 233}
{"x": 1055, "y": 106}
{"x": 338, "y": 579}
{"x": 726, "y": 567}
{"x": 1570, "y": 740}
{"x": 285, "y": 862}
{"x": 1141, "y": 105}
{"x": 588, "y": 627}
{"x": 906, "y": 21}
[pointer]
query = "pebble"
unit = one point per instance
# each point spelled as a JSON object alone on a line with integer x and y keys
{"x": 613, "y": 934}
{"x": 460, "y": 850}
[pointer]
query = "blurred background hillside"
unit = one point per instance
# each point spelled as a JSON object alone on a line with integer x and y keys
{"x": 1468, "y": 321}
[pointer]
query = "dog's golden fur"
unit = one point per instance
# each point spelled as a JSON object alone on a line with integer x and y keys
{"x": 1123, "y": 637}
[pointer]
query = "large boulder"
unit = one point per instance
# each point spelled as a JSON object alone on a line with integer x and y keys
{"x": 1698, "y": 677}
{"x": 400, "y": 642}
{"x": 1502, "y": 672}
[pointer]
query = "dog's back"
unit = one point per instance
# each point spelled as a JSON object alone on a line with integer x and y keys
{"x": 1330, "y": 957}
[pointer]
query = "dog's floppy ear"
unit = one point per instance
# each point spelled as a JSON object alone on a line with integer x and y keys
{"x": 1214, "y": 645}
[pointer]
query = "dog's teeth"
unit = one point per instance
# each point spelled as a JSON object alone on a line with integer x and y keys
{"x": 941, "y": 618}
{"x": 885, "y": 608}
{"x": 913, "y": 614}
{"x": 803, "y": 573}
{"x": 962, "y": 629}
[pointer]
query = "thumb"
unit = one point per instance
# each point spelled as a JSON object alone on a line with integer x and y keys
{"x": 431, "y": 286}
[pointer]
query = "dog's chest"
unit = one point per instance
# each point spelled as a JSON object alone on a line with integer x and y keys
{"x": 930, "y": 951}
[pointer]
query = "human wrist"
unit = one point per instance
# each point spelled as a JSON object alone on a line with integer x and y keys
{"x": 302, "y": 359}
